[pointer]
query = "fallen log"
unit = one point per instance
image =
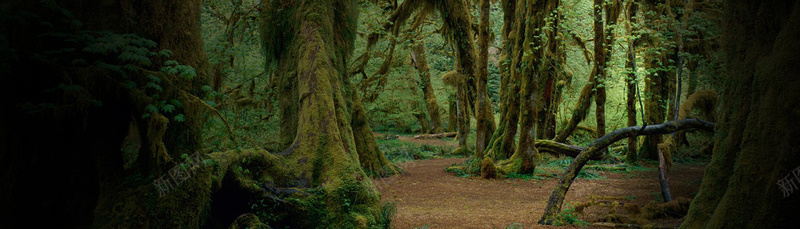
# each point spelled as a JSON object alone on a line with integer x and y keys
{"x": 557, "y": 148}
{"x": 436, "y": 136}
{"x": 557, "y": 197}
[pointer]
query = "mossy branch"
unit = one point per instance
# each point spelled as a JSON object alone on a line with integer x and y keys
{"x": 557, "y": 198}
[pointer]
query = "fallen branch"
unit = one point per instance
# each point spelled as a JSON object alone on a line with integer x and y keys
{"x": 557, "y": 198}
{"x": 557, "y": 148}
{"x": 436, "y": 136}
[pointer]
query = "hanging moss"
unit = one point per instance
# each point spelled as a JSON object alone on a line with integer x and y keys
{"x": 705, "y": 103}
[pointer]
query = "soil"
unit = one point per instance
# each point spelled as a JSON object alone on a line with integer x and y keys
{"x": 428, "y": 197}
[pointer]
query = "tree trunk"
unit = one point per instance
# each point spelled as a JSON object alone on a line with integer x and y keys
{"x": 630, "y": 81}
{"x": 581, "y": 108}
{"x": 600, "y": 65}
{"x": 525, "y": 156}
{"x": 421, "y": 64}
{"x": 551, "y": 72}
{"x": 657, "y": 81}
{"x": 456, "y": 18}
{"x": 370, "y": 156}
{"x": 452, "y": 114}
{"x": 507, "y": 93}
{"x": 436, "y": 136}
{"x": 483, "y": 110}
{"x": 751, "y": 181}
{"x": 332, "y": 128}
{"x": 596, "y": 147}
{"x": 63, "y": 157}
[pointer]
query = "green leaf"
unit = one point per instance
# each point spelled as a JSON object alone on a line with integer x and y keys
{"x": 211, "y": 103}
{"x": 175, "y": 102}
{"x": 151, "y": 108}
{"x": 179, "y": 118}
{"x": 145, "y": 115}
{"x": 206, "y": 88}
{"x": 184, "y": 156}
{"x": 128, "y": 84}
{"x": 165, "y": 53}
{"x": 168, "y": 108}
{"x": 153, "y": 78}
{"x": 154, "y": 86}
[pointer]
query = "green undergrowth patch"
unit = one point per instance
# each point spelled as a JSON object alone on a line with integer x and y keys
{"x": 557, "y": 166}
{"x": 458, "y": 169}
{"x": 399, "y": 151}
{"x": 568, "y": 216}
{"x": 468, "y": 168}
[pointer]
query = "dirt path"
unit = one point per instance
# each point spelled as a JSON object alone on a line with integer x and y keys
{"x": 427, "y": 196}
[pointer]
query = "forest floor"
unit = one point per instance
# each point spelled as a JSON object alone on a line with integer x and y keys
{"x": 428, "y": 197}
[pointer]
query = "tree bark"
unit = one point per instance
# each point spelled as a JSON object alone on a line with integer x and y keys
{"x": 657, "y": 81}
{"x": 498, "y": 147}
{"x": 595, "y": 148}
{"x": 751, "y": 181}
{"x": 483, "y": 108}
{"x": 421, "y": 64}
{"x": 662, "y": 176}
{"x": 580, "y": 111}
{"x": 630, "y": 81}
{"x": 438, "y": 136}
{"x": 557, "y": 148}
{"x": 600, "y": 65}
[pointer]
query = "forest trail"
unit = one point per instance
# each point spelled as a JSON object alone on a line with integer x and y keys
{"x": 428, "y": 197}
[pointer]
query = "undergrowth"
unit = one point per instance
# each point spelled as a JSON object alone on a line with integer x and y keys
{"x": 568, "y": 217}
{"x": 399, "y": 151}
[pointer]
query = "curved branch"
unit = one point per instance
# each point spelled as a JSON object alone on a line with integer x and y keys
{"x": 556, "y": 148}
{"x": 557, "y": 198}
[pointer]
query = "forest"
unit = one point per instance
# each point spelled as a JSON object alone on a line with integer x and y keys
{"x": 399, "y": 114}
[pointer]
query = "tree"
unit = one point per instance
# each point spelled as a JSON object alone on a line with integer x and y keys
{"x": 502, "y": 144}
{"x": 483, "y": 108}
{"x": 600, "y": 55}
{"x": 598, "y": 146}
{"x": 751, "y": 180}
{"x": 529, "y": 62}
{"x": 124, "y": 72}
{"x": 658, "y": 58}
{"x": 421, "y": 64}
{"x": 314, "y": 48}
{"x": 630, "y": 81}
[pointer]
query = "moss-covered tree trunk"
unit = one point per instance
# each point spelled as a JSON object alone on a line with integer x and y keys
{"x": 596, "y": 147}
{"x": 529, "y": 61}
{"x": 457, "y": 21}
{"x": 62, "y": 156}
{"x": 505, "y": 75}
{"x": 630, "y": 81}
{"x": 452, "y": 114}
{"x": 327, "y": 146}
{"x": 483, "y": 108}
{"x": 421, "y": 64}
{"x": 505, "y": 79}
{"x": 752, "y": 180}
{"x": 580, "y": 111}
{"x": 600, "y": 65}
{"x": 549, "y": 87}
{"x": 657, "y": 81}
{"x": 372, "y": 159}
